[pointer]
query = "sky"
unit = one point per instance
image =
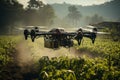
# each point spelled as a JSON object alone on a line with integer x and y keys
{"x": 78, "y": 2}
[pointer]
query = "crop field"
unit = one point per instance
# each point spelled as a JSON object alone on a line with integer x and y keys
{"x": 26, "y": 24}
{"x": 24, "y": 60}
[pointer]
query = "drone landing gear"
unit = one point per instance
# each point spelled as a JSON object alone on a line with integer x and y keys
{"x": 93, "y": 36}
{"x": 79, "y": 41}
{"x": 32, "y": 38}
{"x": 26, "y": 33}
{"x": 79, "y": 36}
{"x": 32, "y": 35}
{"x": 93, "y": 41}
{"x": 26, "y": 37}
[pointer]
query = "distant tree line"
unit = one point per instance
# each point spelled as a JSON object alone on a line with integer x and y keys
{"x": 12, "y": 12}
{"x": 111, "y": 27}
{"x": 94, "y": 19}
{"x": 75, "y": 17}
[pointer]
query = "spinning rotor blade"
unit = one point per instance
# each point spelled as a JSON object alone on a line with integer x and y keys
{"x": 30, "y": 26}
{"x": 40, "y": 27}
{"x": 20, "y": 28}
{"x": 103, "y": 33}
{"x": 91, "y": 30}
{"x": 72, "y": 29}
{"x": 89, "y": 26}
{"x": 44, "y": 30}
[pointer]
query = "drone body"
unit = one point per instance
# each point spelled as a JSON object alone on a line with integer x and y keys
{"x": 58, "y": 37}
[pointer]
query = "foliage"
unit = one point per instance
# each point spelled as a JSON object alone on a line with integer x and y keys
{"x": 9, "y": 10}
{"x": 8, "y": 67}
{"x": 115, "y": 33}
{"x": 105, "y": 66}
{"x": 7, "y": 49}
{"x": 104, "y": 48}
{"x": 12, "y": 15}
{"x": 35, "y": 4}
{"x": 64, "y": 68}
{"x": 94, "y": 19}
{"x": 37, "y": 13}
{"x": 74, "y": 15}
{"x": 111, "y": 27}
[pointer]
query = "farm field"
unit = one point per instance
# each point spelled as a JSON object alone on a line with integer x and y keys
{"x": 53, "y": 40}
{"x": 24, "y": 60}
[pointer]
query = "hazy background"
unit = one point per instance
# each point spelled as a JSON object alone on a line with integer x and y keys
{"x": 56, "y": 13}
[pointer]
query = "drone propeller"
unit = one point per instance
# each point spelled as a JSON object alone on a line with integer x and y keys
{"x": 90, "y": 29}
{"x": 90, "y": 26}
{"x": 93, "y": 30}
{"x": 103, "y": 33}
{"x": 20, "y": 28}
{"x": 30, "y": 27}
{"x": 40, "y": 27}
{"x": 85, "y": 29}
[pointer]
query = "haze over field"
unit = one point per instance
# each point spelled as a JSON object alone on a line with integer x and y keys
{"x": 108, "y": 10}
{"x": 59, "y": 40}
{"x": 56, "y": 13}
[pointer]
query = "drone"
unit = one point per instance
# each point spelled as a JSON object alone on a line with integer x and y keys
{"x": 58, "y": 37}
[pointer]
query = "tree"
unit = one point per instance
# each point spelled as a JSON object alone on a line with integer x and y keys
{"x": 12, "y": 13}
{"x": 87, "y": 19}
{"x": 35, "y": 4}
{"x": 74, "y": 15}
{"x": 96, "y": 19}
{"x": 37, "y": 13}
{"x": 48, "y": 15}
{"x": 9, "y": 10}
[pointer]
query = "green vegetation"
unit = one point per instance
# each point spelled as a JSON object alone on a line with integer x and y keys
{"x": 13, "y": 15}
{"x": 74, "y": 15}
{"x": 7, "y": 48}
{"x": 104, "y": 65}
{"x": 76, "y": 69}
{"x": 8, "y": 65}
{"x": 104, "y": 48}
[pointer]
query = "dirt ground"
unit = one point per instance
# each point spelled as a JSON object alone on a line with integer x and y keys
{"x": 31, "y": 51}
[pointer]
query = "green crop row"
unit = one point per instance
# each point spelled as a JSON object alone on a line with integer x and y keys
{"x": 7, "y": 48}
{"x": 104, "y": 48}
{"x": 64, "y": 68}
{"x": 105, "y": 66}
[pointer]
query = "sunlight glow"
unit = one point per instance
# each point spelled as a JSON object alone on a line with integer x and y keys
{"x": 77, "y": 2}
